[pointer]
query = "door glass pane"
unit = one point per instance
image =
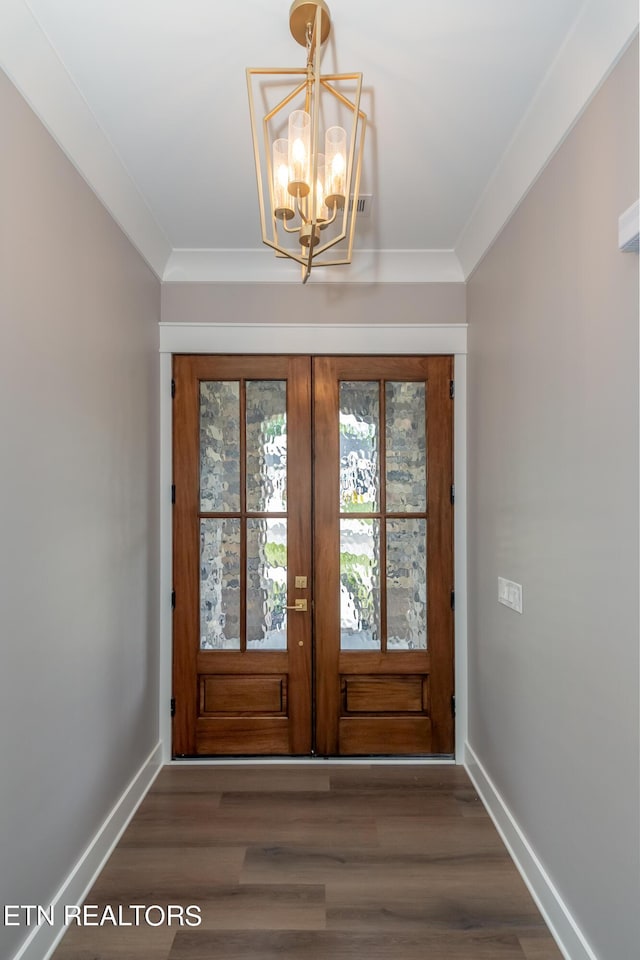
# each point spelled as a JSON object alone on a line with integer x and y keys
{"x": 359, "y": 446}
{"x": 360, "y": 584}
{"x": 406, "y": 460}
{"x": 406, "y": 584}
{"x": 219, "y": 446}
{"x": 220, "y": 584}
{"x": 266, "y": 584}
{"x": 266, "y": 445}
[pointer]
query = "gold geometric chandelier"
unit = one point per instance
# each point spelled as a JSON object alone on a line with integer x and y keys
{"x": 308, "y": 152}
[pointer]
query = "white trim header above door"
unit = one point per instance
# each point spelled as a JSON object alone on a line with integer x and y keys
{"x": 288, "y": 338}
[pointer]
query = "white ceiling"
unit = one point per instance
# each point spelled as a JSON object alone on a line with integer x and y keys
{"x": 450, "y": 89}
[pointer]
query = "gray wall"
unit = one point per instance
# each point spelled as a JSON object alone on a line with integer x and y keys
{"x": 320, "y": 303}
{"x": 553, "y": 481}
{"x": 78, "y": 512}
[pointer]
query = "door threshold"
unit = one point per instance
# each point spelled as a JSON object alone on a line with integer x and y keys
{"x": 310, "y": 761}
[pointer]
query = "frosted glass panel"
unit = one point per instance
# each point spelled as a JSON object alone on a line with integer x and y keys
{"x": 406, "y": 584}
{"x": 360, "y": 584}
{"x": 359, "y": 446}
{"x": 266, "y": 584}
{"x": 266, "y": 445}
{"x": 220, "y": 584}
{"x": 219, "y": 446}
{"x": 406, "y": 461}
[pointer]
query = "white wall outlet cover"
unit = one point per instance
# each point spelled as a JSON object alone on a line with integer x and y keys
{"x": 510, "y": 594}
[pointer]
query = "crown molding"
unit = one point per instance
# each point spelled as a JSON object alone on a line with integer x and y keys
{"x": 262, "y": 266}
{"x": 599, "y": 37}
{"x": 33, "y": 66}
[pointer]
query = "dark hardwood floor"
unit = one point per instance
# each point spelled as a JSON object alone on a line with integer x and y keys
{"x": 322, "y": 862}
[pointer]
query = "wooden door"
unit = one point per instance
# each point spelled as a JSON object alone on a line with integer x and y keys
{"x": 377, "y": 675}
{"x": 242, "y": 535}
{"x": 383, "y": 531}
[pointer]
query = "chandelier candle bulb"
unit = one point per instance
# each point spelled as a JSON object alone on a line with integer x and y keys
{"x": 282, "y": 206}
{"x": 322, "y": 212}
{"x": 299, "y": 153}
{"x": 336, "y": 165}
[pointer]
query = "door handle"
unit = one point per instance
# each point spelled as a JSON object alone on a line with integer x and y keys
{"x": 299, "y": 605}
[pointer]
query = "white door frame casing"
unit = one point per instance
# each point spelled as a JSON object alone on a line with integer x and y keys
{"x": 313, "y": 339}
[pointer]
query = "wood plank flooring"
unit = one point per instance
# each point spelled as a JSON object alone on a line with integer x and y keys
{"x": 325, "y": 862}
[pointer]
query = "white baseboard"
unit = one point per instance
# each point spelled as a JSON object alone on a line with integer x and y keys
{"x": 44, "y": 939}
{"x": 555, "y": 912}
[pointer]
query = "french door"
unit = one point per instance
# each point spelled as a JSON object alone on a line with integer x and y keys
{"x": 313, "y": 556}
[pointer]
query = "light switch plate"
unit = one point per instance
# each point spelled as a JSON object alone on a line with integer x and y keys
{"x": 510, "y": 594}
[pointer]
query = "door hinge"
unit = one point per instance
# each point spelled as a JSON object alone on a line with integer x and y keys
{"x": 173, "y": 706}
{"x": 453, "y": 706}
{"x": 453, "y": 599}
{"x": 453, "y": 493}
{"x": 173, "y": 389}
{"x": 173, "y": 599}
{"x": 452, "y": 388}
{"x": 173, "y": 493}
